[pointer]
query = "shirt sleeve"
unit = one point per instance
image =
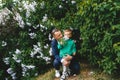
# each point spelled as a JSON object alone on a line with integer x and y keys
{"x": 59, "y": 46}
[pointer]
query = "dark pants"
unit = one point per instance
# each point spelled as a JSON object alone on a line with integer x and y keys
{"x": 74, "y": 65}
{"x": 57, "y": 64}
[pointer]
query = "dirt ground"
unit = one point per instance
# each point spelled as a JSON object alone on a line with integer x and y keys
{"x": 89, "y": 72}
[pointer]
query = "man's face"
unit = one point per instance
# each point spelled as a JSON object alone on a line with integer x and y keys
{"x": 58, "y": 35}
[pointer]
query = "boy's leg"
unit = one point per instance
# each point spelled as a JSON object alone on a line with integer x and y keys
{"x": 66, "y": 71}
{"x": 63, "y": 77}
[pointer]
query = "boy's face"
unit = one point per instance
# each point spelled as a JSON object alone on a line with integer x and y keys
{"x": 68, "y": 34}
{"x": 57, "y": 35}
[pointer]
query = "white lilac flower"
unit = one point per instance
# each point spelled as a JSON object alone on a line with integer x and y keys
{"x": 27, "y": 74}
{"x": 32, "y": 6}
{"x": 13, "y": 76}
{"x": 0, "y": 3}
{"x": 23, "y": 73}
{"x": 4, "y": 43}
{"x": 50, "y": 37}
{"x": 36, "y": 48}
{"x": 15, "y": 0}
{"x": 38, "y": 57}
{"x": 29, "y": 29}
{"x": 36, "y": 74}
{"x": 29, "y": 24}
{"x": 66, "y": 1}
{"x": 20, "y": 9}
{"x": 4, "y": 15}
{"x": 41, "y": 30}
{"x": 38, "y": 43}
{"x": 51, "y": 24}
{"x": 6, "y": 60}
{"x": 18, "y": 18}
{"x": 10, "y": 52}
{"x": 6, "y": 78}
{"x": 22, "y": 65}
{"x": 60, "y": 6}
{"x": 41, "y": 54}
{"x": 32, "y": 35}
{"x": 10, "y": 70}
{"x": 18, "y": 60}
{"x": 18, "y": 51}
{"x": 30, "y": 67}
{"x": 50, "y": 52}
{"x": 14, "y": 57}
{"x": 24, "y": 68}
{"x": 35, "y": 27}
{"x": 27, "y": 14}
{"x": 73, "y": 2}
{"x": 29, "y": 7}
{"x": 42, "y": 26}
{"x": 44, "y": 18}
{"x": 47, "y": 59}
{"x": 46, "y": 46}
{"x": 32, "y": 54}
{"x": 42, "y": 5}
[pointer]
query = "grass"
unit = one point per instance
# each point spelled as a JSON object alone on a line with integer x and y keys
{"x": 47, "y": 76}
{"x": 87, "y": 72}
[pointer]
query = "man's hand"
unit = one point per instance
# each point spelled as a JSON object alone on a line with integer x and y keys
{"x": 66, "y": 63}
{"x": 68, "y": 58}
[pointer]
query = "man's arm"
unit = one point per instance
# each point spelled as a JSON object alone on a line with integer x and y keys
{"x": 55, "y": 50}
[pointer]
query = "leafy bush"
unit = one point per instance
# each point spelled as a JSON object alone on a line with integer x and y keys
{"x": 100, "y": 32}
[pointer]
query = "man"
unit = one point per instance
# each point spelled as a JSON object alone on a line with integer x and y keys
{"x": 57, "y": 60}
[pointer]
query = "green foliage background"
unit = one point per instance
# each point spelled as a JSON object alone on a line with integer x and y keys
{"x": 97, "y": 20}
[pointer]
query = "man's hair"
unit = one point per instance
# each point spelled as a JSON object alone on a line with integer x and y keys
{"x": 54, "y": 30}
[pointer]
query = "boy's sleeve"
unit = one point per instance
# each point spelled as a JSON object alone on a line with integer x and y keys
{"x": 59, "y": 46}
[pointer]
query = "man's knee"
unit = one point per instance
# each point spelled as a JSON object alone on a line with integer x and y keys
{"x": 75, "y": 67}
{"x": 56, "y": 64}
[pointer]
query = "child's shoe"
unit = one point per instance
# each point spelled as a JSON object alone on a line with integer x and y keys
{"x": 63, "y": 77}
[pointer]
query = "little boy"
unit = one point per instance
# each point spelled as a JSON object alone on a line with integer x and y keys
{"x": 67, "y": 49}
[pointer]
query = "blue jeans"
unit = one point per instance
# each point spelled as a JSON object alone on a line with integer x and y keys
{"x": 74, "y": 65}
{"x": 57, "y": 64}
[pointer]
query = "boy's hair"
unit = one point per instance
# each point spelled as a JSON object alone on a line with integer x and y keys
{"x": 68, "y": 30}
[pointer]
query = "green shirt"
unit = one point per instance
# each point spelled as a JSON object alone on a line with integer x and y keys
{"x": 67, "y": 48}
